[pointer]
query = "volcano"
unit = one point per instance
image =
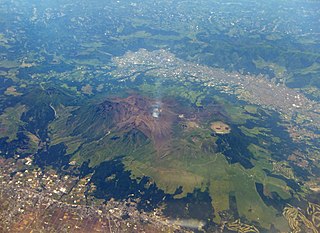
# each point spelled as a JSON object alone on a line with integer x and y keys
{"x": 120, "y": 126}
{"x": 138, "y": 113}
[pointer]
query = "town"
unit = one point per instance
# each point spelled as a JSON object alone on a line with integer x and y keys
{"x": 31, "y": 198}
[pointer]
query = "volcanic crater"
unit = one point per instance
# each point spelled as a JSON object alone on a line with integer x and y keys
{"x": 136, "y": 112}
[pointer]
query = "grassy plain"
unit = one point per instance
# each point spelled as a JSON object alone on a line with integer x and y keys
{"x": 10, "y": 121}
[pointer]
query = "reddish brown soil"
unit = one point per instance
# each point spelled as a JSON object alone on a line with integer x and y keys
{"x": 135, "y": 112}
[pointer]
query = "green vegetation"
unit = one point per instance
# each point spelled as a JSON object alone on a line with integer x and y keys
{"x": 147, "y": 35}
{"x": 255, "y": 131}
{"x": 251, "y": 109}
{"x": 214, "y": 172}
{"x": 279, "y": 71}
{"x": 238, "y": 114}
{"x": 10, "y": 121}
{"x": 4, "y": 42}
{"x": 60, "y": 133}
{"x": 182, "y": 91}
{"x": 9, "y": 64}
{"x": 33, "y": 143}
{"x": 259, "y": 131}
